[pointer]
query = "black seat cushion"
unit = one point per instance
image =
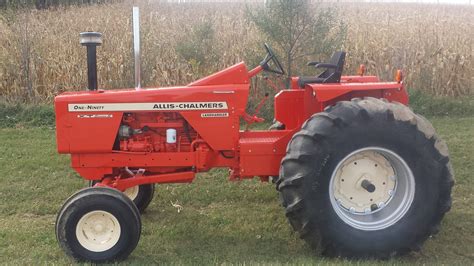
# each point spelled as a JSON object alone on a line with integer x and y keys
{"x": 332, "y": 74}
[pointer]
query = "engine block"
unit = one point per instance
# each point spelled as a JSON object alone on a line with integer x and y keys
{"x": 150, "y": 132}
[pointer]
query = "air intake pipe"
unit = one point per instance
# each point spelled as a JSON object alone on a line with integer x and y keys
{"x": 91, "y": 40}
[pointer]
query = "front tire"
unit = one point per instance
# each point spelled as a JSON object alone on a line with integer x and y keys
{"x": 141, "y": 195}
{"x": 366, "y": 178}
{"x": 98, "y": 225}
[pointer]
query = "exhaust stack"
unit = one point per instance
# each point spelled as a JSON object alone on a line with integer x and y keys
{"x": 91, "y": 40}
{"x": 136, "y": 45}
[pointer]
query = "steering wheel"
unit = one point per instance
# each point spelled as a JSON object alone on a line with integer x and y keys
{"x": 271, "y": 56}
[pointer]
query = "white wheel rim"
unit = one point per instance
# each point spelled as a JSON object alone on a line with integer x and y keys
{"x": 98, "y": 231}
{"x": 361, "y": 208}
{"x": 132, "y": 192}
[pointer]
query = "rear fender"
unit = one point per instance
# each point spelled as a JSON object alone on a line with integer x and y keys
{"x": 293, "y": 107}
{"x": 329, "y": 94}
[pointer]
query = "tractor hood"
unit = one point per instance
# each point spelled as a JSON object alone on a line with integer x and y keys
{"x": 236, "y": 74}
{"x": 98, "y": 114}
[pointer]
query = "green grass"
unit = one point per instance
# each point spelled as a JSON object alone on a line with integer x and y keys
{"x": 221, "y": 221}
{"x": 26, "y": 115}
{"x": 429, "y": 105}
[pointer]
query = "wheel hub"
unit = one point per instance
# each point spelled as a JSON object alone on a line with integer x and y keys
{"x": 98, "y": 231}
{"x": 371, "y": 188}
{"x": 364, "y": 182}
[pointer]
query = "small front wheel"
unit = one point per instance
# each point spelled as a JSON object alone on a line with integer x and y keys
{"x": 98, "y": 224}
{"x": 141, "y": 195}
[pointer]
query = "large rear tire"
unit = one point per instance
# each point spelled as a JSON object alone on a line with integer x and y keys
{"x": 98, "y": 225}
{"x": 366, "y": 178}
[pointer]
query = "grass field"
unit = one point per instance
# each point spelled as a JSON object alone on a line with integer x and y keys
{"x": 220, "y": 222}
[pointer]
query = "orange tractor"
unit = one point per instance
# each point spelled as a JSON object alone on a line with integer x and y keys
{"x": 359, "y": 173}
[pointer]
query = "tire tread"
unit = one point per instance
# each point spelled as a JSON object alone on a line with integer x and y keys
{"x": 291, "y": 187}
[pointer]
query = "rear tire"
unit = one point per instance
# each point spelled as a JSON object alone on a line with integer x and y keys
{"x": 375, "y": 133}
{"x": 98, "y": 225}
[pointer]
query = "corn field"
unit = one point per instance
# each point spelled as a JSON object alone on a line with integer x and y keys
{"x": 40, "y": 55}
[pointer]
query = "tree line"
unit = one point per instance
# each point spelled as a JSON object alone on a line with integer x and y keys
{"x": 44, "y": 4}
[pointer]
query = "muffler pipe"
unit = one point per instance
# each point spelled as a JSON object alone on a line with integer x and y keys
{"x": 91, "y": 40}
{"x": 136, "y": 45}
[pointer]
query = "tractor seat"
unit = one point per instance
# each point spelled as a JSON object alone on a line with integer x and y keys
{"x": 332, "y": 74}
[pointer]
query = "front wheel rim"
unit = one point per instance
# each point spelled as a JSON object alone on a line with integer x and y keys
{"x": 132, "y": 192}
{"x": 371, "y": 188}
{"x": 98, "y": 231}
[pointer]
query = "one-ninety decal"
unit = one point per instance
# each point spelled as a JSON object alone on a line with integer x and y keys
{"x": 170, "y": 106}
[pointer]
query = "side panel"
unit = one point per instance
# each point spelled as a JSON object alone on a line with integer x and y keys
{"x": 62, "y": 126}
{"x": 88, "y": 122}
{"x": 261, "y": 152}
{"x": 293, "y": 107}
{"x": 93, "y": 132}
